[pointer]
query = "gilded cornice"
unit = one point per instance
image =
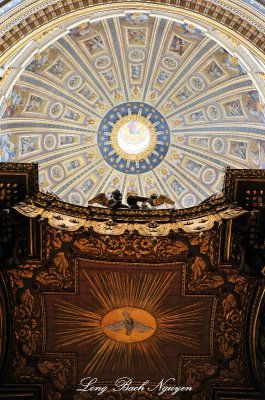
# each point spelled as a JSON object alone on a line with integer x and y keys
{"x": 23, "y": 23}
{"x": 154, "y": 223}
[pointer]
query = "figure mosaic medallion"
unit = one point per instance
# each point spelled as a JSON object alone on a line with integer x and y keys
{"x": 133, "y": 137}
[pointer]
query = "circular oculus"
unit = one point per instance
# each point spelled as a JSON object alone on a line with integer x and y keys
{"x": 133, "y": 137}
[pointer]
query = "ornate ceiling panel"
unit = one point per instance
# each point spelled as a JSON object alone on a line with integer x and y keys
{"x": 172, "y": 307}
{"x": 166, "y": 297}
{"x": 137, "y": 103}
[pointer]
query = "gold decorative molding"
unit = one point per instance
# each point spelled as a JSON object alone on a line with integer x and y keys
{"x": 65, "y": 222}
{"x": 231, "y": 39}
{"x": 262, "y": 75}
{"x": 5, "y": 76}
{"x": 234, "y": 20}
{"x": 44, "y": 34}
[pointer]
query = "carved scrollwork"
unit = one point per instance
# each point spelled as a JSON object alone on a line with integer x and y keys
{"x": 229, "y": 319}
{"x": 257, "y": 335}
{"x": 131, "y": 247}
{"x": 22, "y": 272}
{"x": 58, "y": 371}
{"x": 200, "y": 278}
{"x": 196, "y": 371}
{"x": 207, "y": 244}
{"x": 111, "y": 395}
{"x": 58, "y": 275}
{"x": 234, "y": 371}
{"x": 108, "y": 395}
{"x": 21, "y": 370}
{"x": 27, "y": 328}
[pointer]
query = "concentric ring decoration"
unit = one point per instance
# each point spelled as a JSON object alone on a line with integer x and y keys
{"x": 135, "y": 102}
{"x": 133, "y": 138}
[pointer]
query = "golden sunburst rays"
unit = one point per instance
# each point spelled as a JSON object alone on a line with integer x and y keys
{"x": 114, "y": 290}
{"x": 123, "y": 309}
{"x": 181, "y": 325}
{"x": 76, "y": 325}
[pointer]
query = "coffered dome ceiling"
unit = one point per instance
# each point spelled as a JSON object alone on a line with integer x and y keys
{"x": 135, "y": 102}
